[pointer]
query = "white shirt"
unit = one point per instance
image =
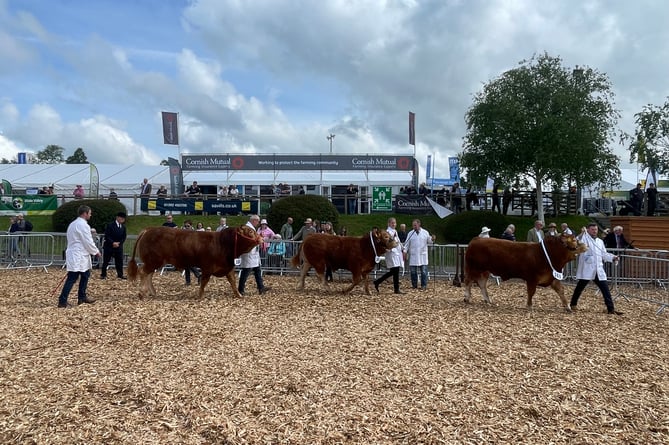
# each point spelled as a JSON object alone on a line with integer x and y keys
{"x": 394, "y": 257}
{"x": 80, "y": 246}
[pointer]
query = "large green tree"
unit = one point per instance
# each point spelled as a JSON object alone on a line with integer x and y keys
{"x": 546, "y": 123}
{"x": 78, "y": 157}
{"x": 650, "y": 143}
{"x": 52, "y": 154}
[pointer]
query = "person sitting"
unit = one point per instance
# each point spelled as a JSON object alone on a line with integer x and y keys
{"x": 276, "y": 252}
{"x": 509, "y": 233}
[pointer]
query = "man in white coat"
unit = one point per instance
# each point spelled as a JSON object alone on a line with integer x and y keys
{"x": 394, "y": 260}
{"x": 416, "y": 247}
{"x": 80, "y": 247}
{"x": 250, "y": 262}
{"x": 591, "y": 268}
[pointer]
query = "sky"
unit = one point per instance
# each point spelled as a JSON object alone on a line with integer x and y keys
{"x": 275, "y": 76}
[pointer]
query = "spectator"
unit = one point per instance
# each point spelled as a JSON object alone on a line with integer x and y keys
{"x": 616, "y": 239}
{"x": 402, "y": 233}
{"x": 416, "y": 249}
{"x": 43, "y": 191}
{"x": 267, "y": 234}
{"x": 145, "y": 189}
{"x": 18, "y": 244}
{"x": 590, "y": 268}
{"x": 169, "y": 222}
{"x": 636, "y": 199}
{"x": 651, "y": 198}
{"x": 232, "y": 191}
{"x": 276, "y": 252}
{"x": 394, "y": 260}
{"x": 485, "y": 232}
{"x": 456, "y": 198}
{"x": 115, "y": 235}
{"x": 509, "y": 233}
{"x": 193, "y": 191}
{"x": 306, "y": 230}
{"x": 286, "y": 233}
{"x": 250, "y": 262}
{"x": 188, "y": 225}
{"x": 96, "y": 239}
{"x": 113, "y": 195}
{"x": 552, "y": 230}
{"x": 80, "y": 247}
{"x": 199, "y": 227}
{"x": 351, "y": 201}
{"x": 222, "y": 224}
{"x": 79, "y": 192}
{"x": 565, "y": 229}
{"x": 507, "y": 197}
{"x": 536, "y": 233}
{"x": 222, "y": 192}
{"x": 161, "y": 194}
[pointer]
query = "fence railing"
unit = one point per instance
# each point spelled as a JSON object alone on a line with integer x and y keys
{"x": 639, "y": 274}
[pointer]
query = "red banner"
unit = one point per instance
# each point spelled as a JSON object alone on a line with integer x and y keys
{"x": 170, "y": 128}
{"x": 412, "y": 128}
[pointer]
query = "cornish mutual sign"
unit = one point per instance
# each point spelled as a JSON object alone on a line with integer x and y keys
{"x": 296, "y": 162}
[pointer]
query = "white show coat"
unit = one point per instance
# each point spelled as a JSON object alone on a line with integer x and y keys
{"x": 80, "y": 246}
{"x": 416, "y": 246}
{"x": 251, "y": 259}
{"x": 590, "y": 262}
{"x": 394, "y": 257}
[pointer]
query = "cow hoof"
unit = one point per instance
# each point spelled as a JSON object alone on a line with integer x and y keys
{"x": 467, "y": 300}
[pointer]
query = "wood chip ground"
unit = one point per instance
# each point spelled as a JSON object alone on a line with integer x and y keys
{"x": 310, "y": 367}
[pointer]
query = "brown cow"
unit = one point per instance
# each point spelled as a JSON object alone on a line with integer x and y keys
{"x": 213, "y": 252}
{"x": 527, "y": 261}
{"x": 357, "y": 254}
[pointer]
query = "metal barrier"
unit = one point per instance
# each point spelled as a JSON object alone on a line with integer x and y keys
{"x": 642, "y": 275}
{"x": 25, "y": 250}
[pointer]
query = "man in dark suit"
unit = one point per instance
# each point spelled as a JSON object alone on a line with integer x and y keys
{"x": 616, "y": 240}
{"x": 115, "y": 235}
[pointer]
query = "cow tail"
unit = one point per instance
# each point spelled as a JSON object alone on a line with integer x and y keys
{"x": 295, "y": 261}
{"x": 132, "y": 264}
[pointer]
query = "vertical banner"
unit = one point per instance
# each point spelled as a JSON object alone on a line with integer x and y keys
{"x": 95, "y": 182}
{"x": 428, "y": 168}
{"x": 22, "y": 158}
{"x": 176, "y": 177}
{"x": 170, "y": 128}
{"x": 6, "y": 188}
{"x": 412, "y": 128}
{"x": 454, "y": 169}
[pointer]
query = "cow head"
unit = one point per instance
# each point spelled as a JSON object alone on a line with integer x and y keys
{"x": 246, "y": 239}
{"x": 573, "y": 245}
{"x": 382, "y": 240}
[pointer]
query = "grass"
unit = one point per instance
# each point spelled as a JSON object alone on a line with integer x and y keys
{"x": 355, "y": 224}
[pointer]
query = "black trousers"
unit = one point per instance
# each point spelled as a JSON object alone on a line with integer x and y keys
{"x": 392, "y": 272}
{"x": 602, "y": 285}
{"x": 107, "y": 255}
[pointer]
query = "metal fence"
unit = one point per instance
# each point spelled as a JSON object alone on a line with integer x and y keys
{"x": 639, "y": 274}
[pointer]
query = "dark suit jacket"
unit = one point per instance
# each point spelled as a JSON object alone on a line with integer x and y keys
{"x": 610, "y": 242}
{"x": 114, "y": 234}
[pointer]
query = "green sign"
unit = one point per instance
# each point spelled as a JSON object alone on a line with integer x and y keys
{"x": 28, "y": 204}
{"x": 382, "y": 199}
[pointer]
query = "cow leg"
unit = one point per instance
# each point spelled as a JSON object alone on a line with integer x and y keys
{"x": 204, "y": 279}
{"x": 468, "y": 288}
{"x": 305, "y": 269}
{"x": 152, "y": 290}
{"x": 232, "y": 279}
{"x": 483, "y": 285}
{"x": 365, "y": 281}
{"x": 531, "y": 290}
{"x": 356, "y": 280}
{"x": 557, "y": 286}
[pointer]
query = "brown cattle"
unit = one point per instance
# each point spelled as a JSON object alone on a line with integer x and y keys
{"x": 527, "y": 261}
{"x": 357, "y": 254}
{"x": 213, "y": 252}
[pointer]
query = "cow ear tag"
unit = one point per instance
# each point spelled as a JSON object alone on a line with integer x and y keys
{"x": 238, "y": 261}
{"x": 558, "y": 275}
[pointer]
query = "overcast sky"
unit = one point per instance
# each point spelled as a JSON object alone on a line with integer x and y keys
{"x": 273, "y": 76}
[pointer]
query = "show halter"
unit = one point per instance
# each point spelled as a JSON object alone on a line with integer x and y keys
{"x": 377, "y": 258}
{"x": 557, "y": 275}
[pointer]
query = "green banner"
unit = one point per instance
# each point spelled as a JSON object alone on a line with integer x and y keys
{"x": 28, "y": 204}
{"x": 382, "y": 199}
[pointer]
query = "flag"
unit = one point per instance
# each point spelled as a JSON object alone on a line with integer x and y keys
{"x": 412, "y": 128}
{"x": 428, "y": 168}
{"x": 170, "y": 128}
{"x": 94, "y": 181}
{"x": 454, "y": 169}
{"x": 176, "y": 177}
{"x": 441, "y": 211}
{"x": 6, "y": 188}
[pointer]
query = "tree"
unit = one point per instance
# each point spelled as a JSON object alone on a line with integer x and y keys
{"x": 52, "y": 154}
{"x": 544, "y": 122}
{"x": 650, "y": 143}
{"x": 78, "y": 157}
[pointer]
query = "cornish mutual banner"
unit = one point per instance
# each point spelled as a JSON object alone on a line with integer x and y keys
{"x": 413, "y": 205}
{"x": 296, "y": 162}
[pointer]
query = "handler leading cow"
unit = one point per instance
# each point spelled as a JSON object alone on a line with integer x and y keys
{"x": 213, "y": 252}
{"x": 357, "y": 254}
{"x": 533, "y": 262}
